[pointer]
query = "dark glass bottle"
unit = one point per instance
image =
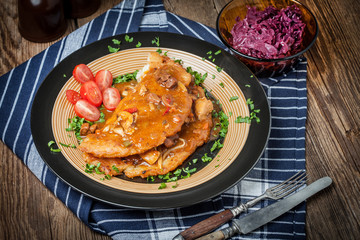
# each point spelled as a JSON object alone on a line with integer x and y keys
{"x": 80, "y": 8}
{"x": 41, "y": 20}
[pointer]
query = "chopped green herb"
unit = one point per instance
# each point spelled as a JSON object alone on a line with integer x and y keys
{"x": 138, "y": 44}
{"x": 198, "y": 77}
{"x": 117, "y": 42}
{"x": 179, "y": 61}
{"x": 115, "y": 168}
{"x": 64, "y": 75}
{"x": 50, "y": 144}
{"x": 156, "y": 41}
{"x": 209, "y": 52}
{"x": 219, "y": 69}
{"x": 125, "y": 78}
{"x": 178, "y": 172}
{"x": 113, "y": 50}
{"x": 230, "y": 114}
{"x": 217, "y": 52}
{"x": 210, "y": 57}
{"x": 251, "y": 76}
{"x": 241, "y": 119}
{"x": 224, "y": 123}
{"x": 194, "y": 160}
{"x": 128, "y": 39}
{"x": 108, "y": 176}
{"x": 165, "y": 53}
{"x": 75, "y": 124}
{"x": 217, "y": 145}
{"x": 253, "y": 113}
{"x": 206, "y": 158}
{"x": 213, "y": 76}
{"x": 217, "y": 165}
{"x": 159, "y": 50}
{"x": 150, "y": 178}
{"x": 175, "y": 186}
{"x": 162, "y": 185}
{"x": 247, "y": 85}
{"x": 222, "y": 85}
{"x": 233, "y": 98}
{"x": 188, "y": 172}
{"x": 203, "y": 59}
{"x": 67, "y": 145}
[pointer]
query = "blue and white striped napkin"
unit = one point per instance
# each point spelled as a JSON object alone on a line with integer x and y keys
{"x": 284, "y": 155}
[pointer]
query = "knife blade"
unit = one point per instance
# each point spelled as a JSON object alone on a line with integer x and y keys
{"x": 259, "y": 218}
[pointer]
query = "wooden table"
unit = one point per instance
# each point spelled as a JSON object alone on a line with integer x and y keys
{"x": 29, "y": 210}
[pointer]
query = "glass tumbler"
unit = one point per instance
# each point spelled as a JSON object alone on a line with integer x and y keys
{"x": 41, "y": 20}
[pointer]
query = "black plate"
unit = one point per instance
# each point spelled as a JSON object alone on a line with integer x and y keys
{"x": 255, "y": 144}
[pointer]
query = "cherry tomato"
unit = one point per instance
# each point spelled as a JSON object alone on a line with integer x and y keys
{"x": 86, "y": 110}
{"x": 103, "y": 79}
{"x": 83, "y": 74}
{"x": 111, "y": 98}
{"x": 91, "y": 92}
{"x": 72, "y": 96}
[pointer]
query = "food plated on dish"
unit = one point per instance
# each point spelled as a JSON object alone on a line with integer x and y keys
{"x": 162, "y": 119}
{"x": 184, "y": 148}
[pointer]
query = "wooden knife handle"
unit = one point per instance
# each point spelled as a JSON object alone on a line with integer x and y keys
{"x": 207, "y": 225}
{"x": 218, "y": 235}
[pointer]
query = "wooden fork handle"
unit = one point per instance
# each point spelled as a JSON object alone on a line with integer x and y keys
{"x": 206, "y": 225}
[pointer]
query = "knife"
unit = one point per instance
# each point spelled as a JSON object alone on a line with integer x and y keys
{"x": 258, "y": 218}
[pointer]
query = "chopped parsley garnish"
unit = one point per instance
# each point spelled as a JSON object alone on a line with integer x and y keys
{"x": 91, "y": 168}
{"x": 117, "y": 42}
{"x": 128, "y": 39}
{"x": 165, "y": 53}
{"x": 115, "y": 169}
{"x": 64, "y": 75}
{"x": 138, "y": 44}
{"x": 217, "y": 52}
{"x": 125, "y": 78}
{"x": 209, "y": 52}
{"x": 217, "y": 145}
{"x": 224, "y": 123}
{"x": 213, "y": 76}
{"x": 252, "y": 116}
{"x": 159, "y": 50}
{"x": 156, "y": 41}
{"x": 222, "y": 85}
{"x": 162, "y": 185}
{"x": 75, "y": 124}
{"x": 247, "y": 85}
{"x": 50, "y": 144}
{"x": 233, "y": 98}
{"x": 206, "y": 158}
{"x": 198, "y": 77}
{"x": 219, "y": 69}
{"x": 179, "y": 61}
{"x": 67, "y": 145}
{"x": 188, "y": 172}
{"x": 102, "y": 118}
{"x": 113, "y": 50}
{"x": 150, "y": 178}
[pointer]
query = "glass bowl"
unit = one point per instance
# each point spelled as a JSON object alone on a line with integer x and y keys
{"x": 265, "y": 67}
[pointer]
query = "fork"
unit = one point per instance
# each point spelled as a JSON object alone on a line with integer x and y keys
{"x": 281, "y": 190}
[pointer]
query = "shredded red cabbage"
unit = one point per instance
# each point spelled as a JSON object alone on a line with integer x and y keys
{"x": 268, "y": 34}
